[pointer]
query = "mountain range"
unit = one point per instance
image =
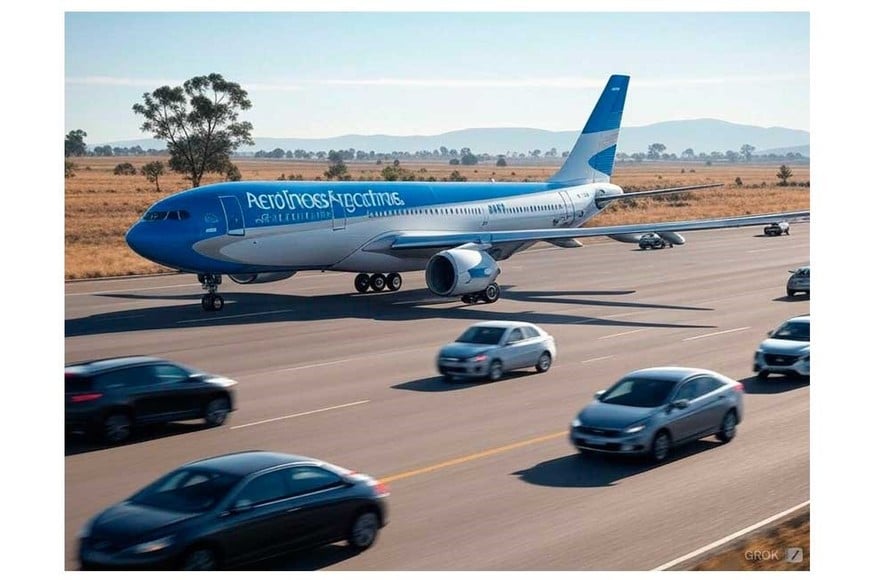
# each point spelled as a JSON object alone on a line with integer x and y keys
{"x": 701, "y": 135}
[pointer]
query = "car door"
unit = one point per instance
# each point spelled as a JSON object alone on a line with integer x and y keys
{"x": 132, "y": 387}
{"x": 183, "y": 396}
{"x": 257, "y": 525}
{"x": 320, "y": 505}
{"x": 512, "y": 351}
{"x": 683, "y": 423}
{"x": 534, "y": 345}
{"x": 712, "y": 403}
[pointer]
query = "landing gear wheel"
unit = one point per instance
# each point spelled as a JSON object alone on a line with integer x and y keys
{"x": 491, "y": 293}
{"x": 211, "y": 301}
{"x": 361, "y": 283}
{"x": 378, "y": 282}
{"x": 208, "y": 302}
{"x": 394, "y": 282}
{"x": 217, "y": 302}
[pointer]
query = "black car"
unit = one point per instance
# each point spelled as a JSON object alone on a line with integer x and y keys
{"x": 653, "y": 242}
{"x": 234, "y": 509}
{"x": 776, "y": 229}
{"x": 109, "y": 398}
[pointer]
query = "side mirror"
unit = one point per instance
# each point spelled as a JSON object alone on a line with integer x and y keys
{"x": 681, "y": 403}
{"x": 769, "y": 333}
{"x": 598, "y": 394}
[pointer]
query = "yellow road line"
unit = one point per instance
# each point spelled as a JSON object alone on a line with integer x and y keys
{"x": 472, "y": 457}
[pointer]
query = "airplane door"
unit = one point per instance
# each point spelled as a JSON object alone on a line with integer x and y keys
{"x": 567, "y": 213}
{"x": 233, "y": 213}
{"x": 339, "y": 215}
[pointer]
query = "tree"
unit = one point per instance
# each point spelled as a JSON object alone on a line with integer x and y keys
{"x": 125, "y": 169}
{"x": 688, "y": 153}
{"x": 784, "y": 174}
{"x": 74, "y": 144}
{"x": 69, "y": 169}
{"x": 655, "y": 150}
{"x": 732, "y": 156}
{"x": 152, "y": 172}
{"x": 468, "y": 158}
{"x": 501, "y": 161}
{"x": 337, "y": 168}
{"x": 746, "y": 151}
{"x": 231, "y": 172}
{"x": 103, "y": 150}
{"x": 456, "y": 176}
{"x": 200, "y": 123}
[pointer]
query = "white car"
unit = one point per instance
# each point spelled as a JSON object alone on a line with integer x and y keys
{"x": 787, "y": 351}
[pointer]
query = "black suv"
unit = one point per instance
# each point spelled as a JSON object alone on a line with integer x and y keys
{"x": 109, "y": 397}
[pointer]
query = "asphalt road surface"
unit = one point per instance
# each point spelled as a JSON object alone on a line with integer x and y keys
{"x": 482, "y": 474}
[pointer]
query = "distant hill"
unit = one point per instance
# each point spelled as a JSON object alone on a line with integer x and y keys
{"x": 702, "y": 135}
{"x": 802, "y": 149}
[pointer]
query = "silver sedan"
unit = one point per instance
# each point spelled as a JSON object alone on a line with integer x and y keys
{"x": 489, "y": 349}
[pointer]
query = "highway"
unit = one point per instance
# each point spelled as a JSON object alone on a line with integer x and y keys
{"x": 482, "y": 474}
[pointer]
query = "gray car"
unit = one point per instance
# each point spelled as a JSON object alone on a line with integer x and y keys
{"x": 650, "y": 411}
{"x": 787, "y": 351}
{"x": 799, "y": 281}
{"x": 489, "y": 349}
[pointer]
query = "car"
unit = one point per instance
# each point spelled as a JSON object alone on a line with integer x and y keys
{"x": 786, "y": 351}
{"x": 650, "y": 411}
{"x": 776, "y": 229}
{"x": 109, "y": 398}
{"x": 799, "y": 281}
{"x": 653, "y": 242}
{"x": 230, "y": 510}
{"x": 490, "y": 349}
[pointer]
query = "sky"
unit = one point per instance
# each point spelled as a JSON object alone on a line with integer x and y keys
{"x": 335, "y": 73}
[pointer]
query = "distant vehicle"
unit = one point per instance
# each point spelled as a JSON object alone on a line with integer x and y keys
{"x": 776, "y": 229}
{"x": 489, "y": 349}
{"x": 649, "y": 411}
{"x": 787, "y": 351}
{"x": 233, "y": 509}
{"x": 110, "y": 397}
{"x": 799, "y": 281}
{"x": 653, "y": 242}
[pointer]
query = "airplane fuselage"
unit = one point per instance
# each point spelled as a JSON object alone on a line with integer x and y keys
{"x": 256, "y": 227}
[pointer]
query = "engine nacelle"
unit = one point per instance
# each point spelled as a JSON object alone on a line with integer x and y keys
{"x": 260, "y": 278}
{"x": 460, "y": 271}
{"x": 672, "y": 237}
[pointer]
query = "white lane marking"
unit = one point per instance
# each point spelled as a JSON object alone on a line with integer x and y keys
{"x": 621, "y": 333}
{"x": 299, "y": 414}
{"x": 717, "y": 333}
{"x": 589, "y": 360}
{"x": 727, "y": 539}
{"x": 232, "y": 316}
{"x": 335, "y": 362}
{"x": 106, "y": 292}
{"x": 763, "y": 250}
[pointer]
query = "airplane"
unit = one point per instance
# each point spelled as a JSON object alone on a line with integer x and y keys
{"x": 263, "y": 231}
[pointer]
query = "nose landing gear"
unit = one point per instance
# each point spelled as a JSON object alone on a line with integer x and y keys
{"x": 212, "y": 301}
{"x": 489, "y": 295}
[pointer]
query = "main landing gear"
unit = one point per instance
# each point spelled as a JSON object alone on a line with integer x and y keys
{"x": 377, "y": 282}
{"x": 212, "y": 301}
{"x": 489, "y": 295}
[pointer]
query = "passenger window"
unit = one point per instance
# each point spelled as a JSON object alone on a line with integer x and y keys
{"x": 530, "y": 332}
{"x": 131, "y": 377}
{"x": 516, "y": 335}
{"x": 707, "y": 385}
{"x": 264, "y": 489}
{"x": 165, "y": 374}
{"x": 688, "y": 391}
{"x": 308, "y": 479}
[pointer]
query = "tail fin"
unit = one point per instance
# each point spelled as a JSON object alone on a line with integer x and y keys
{"x": 593, "y": 155}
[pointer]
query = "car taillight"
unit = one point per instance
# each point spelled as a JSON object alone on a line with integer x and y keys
{"x": 381, "y": 489}
{"x": 738, "y": 387}
{"x": 85, "y": 397}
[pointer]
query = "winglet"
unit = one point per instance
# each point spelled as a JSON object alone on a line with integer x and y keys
{"x": 593, "y": 155}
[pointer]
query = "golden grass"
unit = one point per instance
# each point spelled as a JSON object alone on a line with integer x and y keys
{"x": 101, "y": 206}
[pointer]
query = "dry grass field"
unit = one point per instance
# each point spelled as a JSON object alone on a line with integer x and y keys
{"x": 101, "y": 206}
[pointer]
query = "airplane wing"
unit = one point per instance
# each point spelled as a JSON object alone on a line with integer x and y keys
{"x": 605, "y": 197}
{"x": 432, "y": 240}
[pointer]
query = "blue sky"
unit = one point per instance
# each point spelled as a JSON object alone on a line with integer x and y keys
{"x": 327, "y": 74}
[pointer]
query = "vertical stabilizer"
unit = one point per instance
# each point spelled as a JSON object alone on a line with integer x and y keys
{"x": 591, "y": 159}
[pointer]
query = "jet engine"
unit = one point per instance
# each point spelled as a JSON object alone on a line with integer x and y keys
{"x": 260, "y": 278}
{"x": 672, "y": 237}
{"x": 460, "y": 271}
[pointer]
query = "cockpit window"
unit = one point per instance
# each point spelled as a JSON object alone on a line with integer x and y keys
{"x": 154, "y": 216}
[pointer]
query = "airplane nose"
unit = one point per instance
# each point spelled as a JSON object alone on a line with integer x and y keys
{"x": 143, "y": 242}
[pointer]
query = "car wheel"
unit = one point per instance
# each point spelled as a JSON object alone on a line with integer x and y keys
{"x": 661, "y": 447}
{"x": 117, "y": 427}
{"x": 363, "y": 530}
{"x": 216, "y": 411}
{"x": 728, "y": 428}
{"x": 790, "y": 293}
{"x": 763, "y": 375}
{"x": 496, "y": 370}
{"x": 200, "y": 559}
{"x": 544, "y": 362}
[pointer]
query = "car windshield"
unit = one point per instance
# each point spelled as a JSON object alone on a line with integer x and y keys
{"x": 793, "y": 331}
{"x": 187, "y": 490}
{"x": 638, "y": 392}
{"x": 482, "y": 335}
{"x": 802, "y": 273}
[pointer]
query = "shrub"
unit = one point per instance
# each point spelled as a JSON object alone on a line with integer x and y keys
{"x": 69, "y": 169}
{"x": 738, "y": 182}
{"x": 125, "y": 169}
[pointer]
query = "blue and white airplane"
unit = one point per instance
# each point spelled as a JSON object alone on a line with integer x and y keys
{"x": 258, "y": 232}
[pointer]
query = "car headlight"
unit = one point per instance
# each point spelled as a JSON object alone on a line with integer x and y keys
{"x": 576, "y": 423}
{"x": 153, "y": 545}
{"x": 634, "y": 429}
{"x": 478, "y": 358}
